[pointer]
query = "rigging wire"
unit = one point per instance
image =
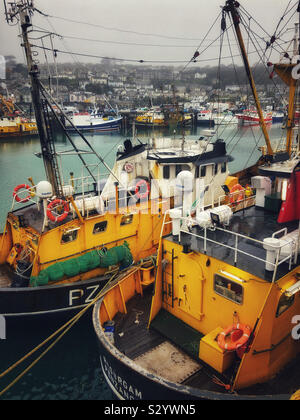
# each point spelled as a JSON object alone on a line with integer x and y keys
{"x": 194, "y": 58}
{"x": 123, "y": 30}
{"x": 133, "y": 43}
{"x": 196, "y": 54}
{"x": 134, "y": 60}
{"x": 260, "y": 54}
{"x": 259, "y": 25}
{"x": 219, "y": 73}
{"x": 48, "y": 66}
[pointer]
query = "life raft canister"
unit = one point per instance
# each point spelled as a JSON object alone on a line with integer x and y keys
{"x": 17, "y": 189}
{"x": 52, "y": 216}
{"x": 144, "y": 186}
{"x": 239, "y": 336}
{"x": 234, "y": 197}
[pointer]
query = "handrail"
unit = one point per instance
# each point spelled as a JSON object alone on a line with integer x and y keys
{"x": 237, "y": 251}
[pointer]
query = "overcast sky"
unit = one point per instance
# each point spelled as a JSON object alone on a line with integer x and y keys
{"x": 176, "y": 27}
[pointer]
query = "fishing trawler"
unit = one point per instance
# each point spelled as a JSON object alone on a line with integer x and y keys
{"x": 13, "y": 124}
{"x": 63, "y": 240}
{"x": 151, "y": 118}
{"x": 94, "y": 121}
{"x": 251, "y": 117}
{"x": 219, "y": 318}
{"x": 205, "y": 118}
{"x": 164, "y": 118}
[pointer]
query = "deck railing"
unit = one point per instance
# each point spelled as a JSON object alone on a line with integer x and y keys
{"x": 237, "y": 238}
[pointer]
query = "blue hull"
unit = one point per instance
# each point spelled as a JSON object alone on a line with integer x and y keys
{"x": 277, "y": 119}
{"x": 107, "y": 126}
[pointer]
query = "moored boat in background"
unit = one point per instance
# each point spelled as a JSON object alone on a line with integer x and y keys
{"x": 13, "y": 123}
{"x": 205, "y": 118}
{"x": 251, "y": 117}
{"x": 86, "y": 121}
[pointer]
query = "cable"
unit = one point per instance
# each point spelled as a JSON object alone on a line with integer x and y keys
{"x": 132, "y": 43}
{"x": 123, "y": 30}
{"x": 134, "y": 60}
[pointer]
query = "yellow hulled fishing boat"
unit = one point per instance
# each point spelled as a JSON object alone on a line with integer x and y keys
{"x": 217, "y": 315}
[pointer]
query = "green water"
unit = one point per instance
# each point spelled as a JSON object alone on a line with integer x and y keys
{"x": 71, "y": 370}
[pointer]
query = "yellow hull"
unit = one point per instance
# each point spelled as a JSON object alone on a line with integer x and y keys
{"x": 19, "y": 129}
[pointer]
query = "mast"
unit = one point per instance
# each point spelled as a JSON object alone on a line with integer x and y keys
{"x": 285, "y": 72}
{"x": 22, "y": 11}
{"x": 232, "y": 8}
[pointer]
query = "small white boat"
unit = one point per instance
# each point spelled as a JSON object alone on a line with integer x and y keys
{"x": 94, "y": 121}
{"x": 225, "y": 118}
{"x": 205, "y": 118}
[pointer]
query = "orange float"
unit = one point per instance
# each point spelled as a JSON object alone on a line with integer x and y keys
{"x": 234, "y": 197}
{"x": 17, "y": 189}
{"x": 56, "y": 203}
{"x": 239, "y": 336}
{"x": 140, "y": 185}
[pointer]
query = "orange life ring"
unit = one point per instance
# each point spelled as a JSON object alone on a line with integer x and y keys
{"x": 16, "y": 190}
{"x": 138, "y": 186}
{"x": 54, "y": 203}
{"x": 234, "y": 198}
{"x": 240, "y": 338}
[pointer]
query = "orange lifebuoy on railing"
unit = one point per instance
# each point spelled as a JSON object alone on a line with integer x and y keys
{"x": 55, "y": 203}
{"x": 140, "y": 185}
{"x": 17, "y": 189}
{"x": 234, "y": 197}
{"x": 239, "y": 335}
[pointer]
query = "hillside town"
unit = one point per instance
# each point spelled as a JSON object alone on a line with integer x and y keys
{"x": 130, "y": 87}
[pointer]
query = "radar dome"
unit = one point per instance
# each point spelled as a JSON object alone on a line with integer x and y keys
{"x": 44, "y": 189}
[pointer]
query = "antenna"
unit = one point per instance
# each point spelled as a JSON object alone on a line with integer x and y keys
{"x": 22, "y": 11}
{"x": 12, "y": 9}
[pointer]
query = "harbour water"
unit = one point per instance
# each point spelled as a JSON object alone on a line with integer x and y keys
{"x": 70, "y": 371}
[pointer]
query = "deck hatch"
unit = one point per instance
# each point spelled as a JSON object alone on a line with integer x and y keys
{"x": 167, "y": 361}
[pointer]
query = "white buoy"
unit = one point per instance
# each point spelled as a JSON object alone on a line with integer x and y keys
{"x": 272, "y": 246}
{"x": 175, "y": 215}
{"x": 184, "y": 185}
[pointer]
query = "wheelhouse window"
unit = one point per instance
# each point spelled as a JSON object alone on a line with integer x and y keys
{"x": 69, "y": 236}
{"x": 228, "y": 289}
{"x": 166, "y": 172}
{"x": 216, "y": 169}
{"x": 224, "y": 167}
{"x": 126, "y": 220}
{"x": 285, "y": 302}
{"x": 177, "y": 169}
{"x": 203, "y": 171}
{"x": 100, "y": 227}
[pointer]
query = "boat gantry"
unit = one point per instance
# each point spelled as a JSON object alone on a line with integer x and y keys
{"x": 216, "y": 314}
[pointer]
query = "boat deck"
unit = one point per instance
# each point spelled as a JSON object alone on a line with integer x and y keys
{"x": 30, "y": 216}
{"x": 254, "y": 223}
{"x": 136, "y": 341}
{"x": 131, "y": 334}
